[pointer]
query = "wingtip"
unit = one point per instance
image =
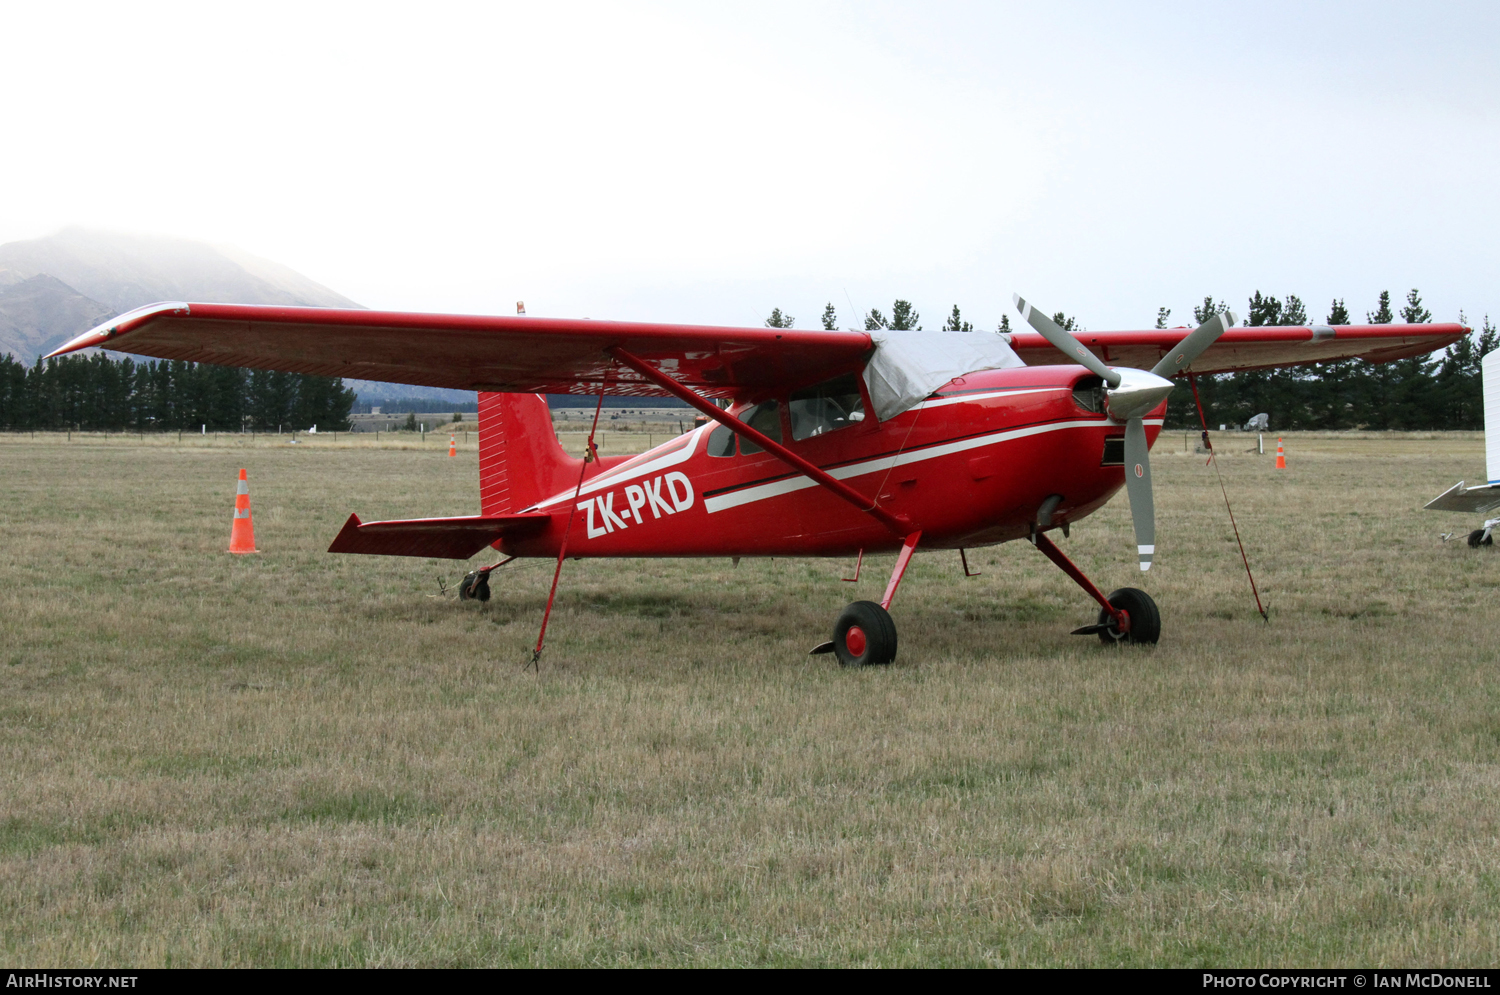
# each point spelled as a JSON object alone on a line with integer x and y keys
{"x": 92, "y": 337}
{"x": 100, "y": 334}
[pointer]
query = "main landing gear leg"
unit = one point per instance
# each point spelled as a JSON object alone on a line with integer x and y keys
{"x": 864, "y": 634}
{"x": 476, "y": 584}
{"x": 1126, "y": 616}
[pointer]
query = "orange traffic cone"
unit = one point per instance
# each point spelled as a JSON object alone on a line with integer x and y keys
{"x": 1280, "y": 456}
{"x": 242, "y": 536}
{"x": 452, "y": 446}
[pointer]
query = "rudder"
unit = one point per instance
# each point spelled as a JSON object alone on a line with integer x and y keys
{"x": 520, "y": 460}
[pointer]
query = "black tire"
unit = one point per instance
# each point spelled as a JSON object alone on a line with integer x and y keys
{"x": 1145, "y": 620}
{"x": 481, "y": 587}
{"x": 1477, "y": 538}
{"x": 466, "y": 586}
{"x": 869, "y": 628}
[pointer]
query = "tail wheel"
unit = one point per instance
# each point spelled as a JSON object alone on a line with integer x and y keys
{"x": 1477, "y": 538}
{"x": 474, "y": 587}
{"x": 1145, "y": 620}
{"x": 864, "y": 635}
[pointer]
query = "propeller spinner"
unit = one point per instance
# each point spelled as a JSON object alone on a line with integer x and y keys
{"x": 1129, "y": 394}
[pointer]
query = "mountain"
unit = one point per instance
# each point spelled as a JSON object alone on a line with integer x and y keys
{"x": 53, "y": 288}
{"x": 125, "y": 271}
{"x": 41, "y": 312}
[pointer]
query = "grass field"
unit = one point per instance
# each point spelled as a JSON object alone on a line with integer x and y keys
{"x": 298, "y": 758}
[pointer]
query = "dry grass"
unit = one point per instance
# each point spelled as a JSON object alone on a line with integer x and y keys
{"x": 298, "y": 758}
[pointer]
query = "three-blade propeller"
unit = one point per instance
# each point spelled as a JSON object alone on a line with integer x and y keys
{"x": 1129, "y": 394}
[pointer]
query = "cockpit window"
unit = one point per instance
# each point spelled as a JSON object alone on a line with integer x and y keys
{"x": 721, "y": 442}
{"x": 765, "y": 418}
{"x": 827, "y": 407}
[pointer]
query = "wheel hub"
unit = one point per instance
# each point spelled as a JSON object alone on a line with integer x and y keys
{"x": 855, "y": 640}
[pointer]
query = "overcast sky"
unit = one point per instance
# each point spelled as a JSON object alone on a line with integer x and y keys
{"x": 696, "y": 162}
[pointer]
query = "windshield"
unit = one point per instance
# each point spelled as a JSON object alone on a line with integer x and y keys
{"x": 826, "y": 407}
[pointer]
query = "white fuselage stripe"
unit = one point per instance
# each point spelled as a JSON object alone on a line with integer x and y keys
{"x": 723, "y": 502}
{"x": 788, "y": 485}
{"x": 938, "y": 402}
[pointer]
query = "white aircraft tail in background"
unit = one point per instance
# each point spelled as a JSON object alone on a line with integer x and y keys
{"x": 1485, "y": 497}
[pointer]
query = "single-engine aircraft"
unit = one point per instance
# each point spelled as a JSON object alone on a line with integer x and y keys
{"x": 821, "y": 443}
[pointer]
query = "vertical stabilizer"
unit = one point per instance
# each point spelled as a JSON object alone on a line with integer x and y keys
{"x": 1491, "y": 367}
{"x": 520, "y": 460}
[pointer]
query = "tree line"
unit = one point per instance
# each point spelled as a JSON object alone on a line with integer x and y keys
{"x": 98, "y": 393}
{"x": 1433, "y": 392}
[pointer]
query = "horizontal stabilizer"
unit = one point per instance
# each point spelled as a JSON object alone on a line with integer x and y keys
{"x": 444, "y": 538}
{"x": 1474, "y": 500}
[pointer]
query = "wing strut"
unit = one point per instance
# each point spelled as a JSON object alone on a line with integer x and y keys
{"x": 896, "y": 523}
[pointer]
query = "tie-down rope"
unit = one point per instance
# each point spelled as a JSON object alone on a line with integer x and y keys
{"x": 1213, "y": 458}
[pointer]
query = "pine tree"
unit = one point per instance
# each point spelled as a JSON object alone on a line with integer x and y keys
{"x": 904, "y": 317}
{"x": 779, "y": 320}
{"x": 1373, "y": 407}
{"x": 830, "y": 318}
{"x": 1293, "y": 391}
{"x": 322, "y": 401}
{"x": 1162, "y": 314}
{"x": 13, "y": 407}
{"x": 1414, "y": 313}
{"x": 1294, "y": 312}
{"x": 1065, "y": 323}
{"x": 1250, "y": 392}
{"x": 1415, "y": 394}
{"x": 875, "y": 320}
{"x": 1459, "y": 382}
{"x": 956, "y": 322}
{"x": 1261, "y": 311}
{"x": 1208, "y": 310}
{"x": 1335, "y": 387}
{"x": 273, "y": 397}
{"x": 1004, "y": 327}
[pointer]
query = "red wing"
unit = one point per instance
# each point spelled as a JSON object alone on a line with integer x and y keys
{"x": 474, "y": 352}
{"x": 1252, "y": 348}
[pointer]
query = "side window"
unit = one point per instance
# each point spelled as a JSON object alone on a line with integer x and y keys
{"x": 764, "y": 418}
{"x": 826, "y": 407}
{"x": 721, "y": 442}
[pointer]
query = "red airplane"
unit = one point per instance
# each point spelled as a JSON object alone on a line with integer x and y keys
{"x": 823, "y": 443}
